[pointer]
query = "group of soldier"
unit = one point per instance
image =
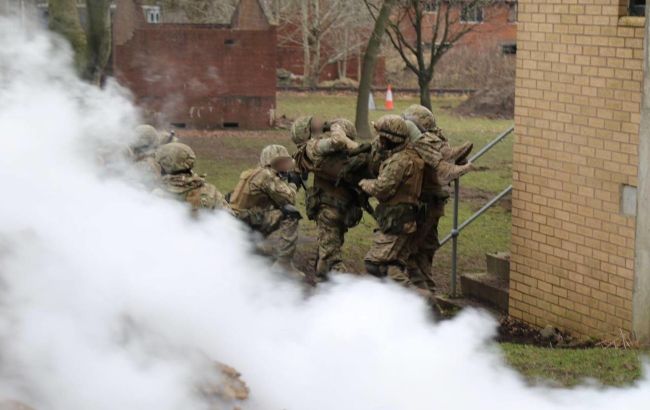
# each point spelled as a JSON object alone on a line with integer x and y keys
{"x": 406, "y": 168}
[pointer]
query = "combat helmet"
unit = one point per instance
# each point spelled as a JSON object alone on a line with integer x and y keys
{"x": 175, "y": 157}
{"x": 272, "y": 153}
{"x": 348, "y": 127}
{"x": 301, "y": 130}
{"x": 146, "y": 138}
{"x": 421, "y": 116}
{"x": 392, "y": 128}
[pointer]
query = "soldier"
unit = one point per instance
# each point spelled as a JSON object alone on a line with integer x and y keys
{"x": 334, "y": 205}
{"x": 440, "y": 168}
{"x": 144, "y": 147}
{"x": 264, "y": 200}
{"x": 422, "y": 124}
{"x": 397, "y": 188}
{"x": 179, "y": 181}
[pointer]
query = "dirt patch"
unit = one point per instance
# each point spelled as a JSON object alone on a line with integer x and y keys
{"x": 514, "y": 331}
{"x": 478, "y": 197}
{"x": 496, "y": 101}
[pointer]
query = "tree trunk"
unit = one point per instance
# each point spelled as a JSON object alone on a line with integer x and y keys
{"x": 99, "y": 38}
{"x": 64, "y": 19}
{"x": 425, "y": 92}
{"x": 368, "y": 69}
{"x": 306, "y": 52}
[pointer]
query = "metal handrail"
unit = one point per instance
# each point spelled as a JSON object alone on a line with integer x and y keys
{"x": 456, "y": 229}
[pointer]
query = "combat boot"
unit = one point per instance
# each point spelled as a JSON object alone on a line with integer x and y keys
{"x": 458, "y": 155}
{"x": 287, "y": 266}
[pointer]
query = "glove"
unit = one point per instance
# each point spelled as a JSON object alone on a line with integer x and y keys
{"x": 365, "y": 185}
{"x": 291, "y": 212}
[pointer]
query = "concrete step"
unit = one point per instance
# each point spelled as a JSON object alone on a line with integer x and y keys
{"x": 487, "y": 288}
{"x": 498, "y": 264}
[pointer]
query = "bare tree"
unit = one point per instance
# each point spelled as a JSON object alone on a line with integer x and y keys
{"x": 421, "y": 50}
{"x": 64, "y": 19}
{"x": 368, "y": 69}
{"x": 328, "y": 31}
{"x": 98, "y": 38}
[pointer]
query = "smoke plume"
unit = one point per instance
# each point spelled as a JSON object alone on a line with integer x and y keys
{"x": 111, "y": 298}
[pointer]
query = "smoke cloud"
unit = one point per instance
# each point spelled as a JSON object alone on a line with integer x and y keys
{"x": 111, "y": 298}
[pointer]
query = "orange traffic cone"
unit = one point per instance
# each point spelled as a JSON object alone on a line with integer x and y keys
{"x": 389, "y": 99}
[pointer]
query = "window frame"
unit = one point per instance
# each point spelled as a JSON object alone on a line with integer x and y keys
{"x": 477, "y": 10}
{"x": 513, "y": 5}
{"x": 152, "y": 14}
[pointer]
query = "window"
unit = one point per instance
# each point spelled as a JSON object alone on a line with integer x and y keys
{"x": 637, "y": 7}
{"x": 513, "y": 12}
{"x": 430, "y": 6}
{"x": 152, "y": 14}
{"x": 509, "y": 48}
{"x": 471, "y": 14}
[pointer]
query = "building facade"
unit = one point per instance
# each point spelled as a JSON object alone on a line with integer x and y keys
{"x": 198, "y": 75}
{"x": 577, "y": 232}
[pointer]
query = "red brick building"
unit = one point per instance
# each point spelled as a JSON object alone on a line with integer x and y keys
{"x": 487, "y": 49}
{"x": 198, "y": 75}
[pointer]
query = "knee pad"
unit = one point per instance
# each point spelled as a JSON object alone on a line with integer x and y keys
{"x": 379, "y": 271}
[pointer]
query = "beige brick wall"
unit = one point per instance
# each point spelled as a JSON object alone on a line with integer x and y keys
{"x": 579, "y": 82}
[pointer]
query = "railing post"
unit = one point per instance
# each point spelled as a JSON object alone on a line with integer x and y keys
{"x": 454, "y": 238}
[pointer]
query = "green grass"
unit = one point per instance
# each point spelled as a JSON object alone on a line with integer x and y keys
{"x": 570, "y": 367}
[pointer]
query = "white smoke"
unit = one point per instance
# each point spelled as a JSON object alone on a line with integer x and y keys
{"x": 113, "y": 299}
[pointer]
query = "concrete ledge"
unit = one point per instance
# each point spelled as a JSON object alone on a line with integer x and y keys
{"x": 631, "y": 21}
{"x": 486, "y": 288}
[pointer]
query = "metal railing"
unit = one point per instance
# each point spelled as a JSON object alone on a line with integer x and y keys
{"x": 456, "y": 228}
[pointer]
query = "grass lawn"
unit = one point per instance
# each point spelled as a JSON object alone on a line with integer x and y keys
{"x": 224, "y": 155}
{"x": 570, "y": 367}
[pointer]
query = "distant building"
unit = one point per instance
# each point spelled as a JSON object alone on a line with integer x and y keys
{"x": 493, "y": 35}
{"x": 198, "y": 75}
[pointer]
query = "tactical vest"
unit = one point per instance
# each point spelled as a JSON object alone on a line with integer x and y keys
{"x": 203, "y": 197}
{"x": 243, "y": 198}
{"x": 432, "y": 190}
{"x": 409, "y": 190}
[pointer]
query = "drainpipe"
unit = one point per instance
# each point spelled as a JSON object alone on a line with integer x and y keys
{"x": 641, "y": 296}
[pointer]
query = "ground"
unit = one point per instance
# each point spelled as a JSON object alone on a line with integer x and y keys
{"x": 223, "y": 155}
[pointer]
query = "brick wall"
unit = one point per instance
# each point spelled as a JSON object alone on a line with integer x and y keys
{"x": 579, "y": 82}
{"x": 204, "y": 76}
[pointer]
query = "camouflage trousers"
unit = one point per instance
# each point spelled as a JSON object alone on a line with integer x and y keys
{"x": 424, "y": 247}
{"x": 280, "y": 236}
{"x": 331, "y": 234}
{"x": 392, "y": 252}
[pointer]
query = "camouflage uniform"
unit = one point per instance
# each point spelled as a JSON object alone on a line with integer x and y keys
{"x": 333, "y": 206}
{"x": 178, "y": 181}
{"x": 439, "y": 170}
{"x": 398, "y": 188}
{"x": 262, "y": 199}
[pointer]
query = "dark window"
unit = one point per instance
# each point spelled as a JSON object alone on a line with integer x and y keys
{"x": 471, "y": 14}
{"x": 179, "y": 125}
{"x": 513, "y": 12}
{"x": 230, "y": 42}
{"x": 430, "y": 5}
{"x": 509, "y": 48}
{"x": 231, "y": 125}
{"x": 637, "y": 7}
